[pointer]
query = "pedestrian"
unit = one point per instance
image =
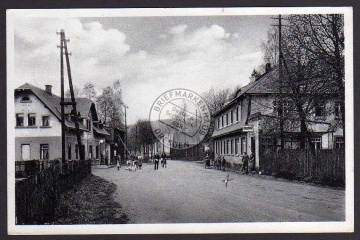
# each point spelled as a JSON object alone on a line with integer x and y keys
{"x": 140, "y": 163}
{"x": 157, "y": 158}
{"x": 118, "y": 164}
{"x": 252, "y": 162}
{"x": 245, "y": 166}
{"x": 163, "y": 159}
{"x": 223, "y": 163}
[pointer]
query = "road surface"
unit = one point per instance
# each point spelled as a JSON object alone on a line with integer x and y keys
{"x": 186, "y": 192}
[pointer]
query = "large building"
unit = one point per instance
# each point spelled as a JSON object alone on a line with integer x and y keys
{"x": 38, "y": 126}
{"x": 250, "y": 122}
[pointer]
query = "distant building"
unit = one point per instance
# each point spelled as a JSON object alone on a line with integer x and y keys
{"x": 245, "y": 123}
{"x": 38, "y": 126}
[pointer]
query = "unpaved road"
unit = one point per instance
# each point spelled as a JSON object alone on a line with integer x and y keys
{"x": 186, "y": 192}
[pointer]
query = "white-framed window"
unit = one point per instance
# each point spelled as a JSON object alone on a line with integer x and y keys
{"x": 232, "y": 146}
{"x": 236, "y": 146}
{"x": 227, "y": 119}
{"x": 19, "y": 119}
{"x": 31, "y": 119}
{"x": 232, "y": 117}
{"x": 227, "y": 146}
{"x": 339, "y": 143}
{"x": 222, "y": 121}
{"x": 237, "y": 114}
{"x": 218, "y": 122}
{"x": 316, "y": 142}
{"x": 337, "y": 109}
{"x": 46, "y": 121}
{"x": 44, "y": 151}
{"x": 243, "y": 145}
{"x": 320, "y": 109}
{"x": 25, "y": 152}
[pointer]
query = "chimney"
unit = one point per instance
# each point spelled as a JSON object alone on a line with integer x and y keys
{"x": 267, "y": 67}
{"x": 48, "y": 89}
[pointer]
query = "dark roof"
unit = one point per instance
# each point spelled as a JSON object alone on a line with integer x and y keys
{"x": 101, "y": 131}
{"x": 265, "y": 84}
{"x": 52, "y": 102}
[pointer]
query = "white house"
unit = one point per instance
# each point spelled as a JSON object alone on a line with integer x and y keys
{"x": 38, "y": 126}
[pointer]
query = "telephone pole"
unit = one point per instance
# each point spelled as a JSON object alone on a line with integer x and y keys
{"x": 63, "y": 46}
{"x": 281, "y": 100}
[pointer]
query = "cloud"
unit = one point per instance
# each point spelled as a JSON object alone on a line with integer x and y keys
{"x": 178, "y": 29}
{"x": 196, "y": 59}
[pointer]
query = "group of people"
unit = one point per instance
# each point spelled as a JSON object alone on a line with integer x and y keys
{"x": 161, "y": 158}
{"x": 134, "y": 163}
{"x": 220, "y": 163}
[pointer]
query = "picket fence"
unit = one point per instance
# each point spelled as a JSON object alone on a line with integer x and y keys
{"x": 37, "y": 195}
{"x": 324, "y": 165}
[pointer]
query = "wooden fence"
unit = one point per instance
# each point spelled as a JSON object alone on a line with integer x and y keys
{"x": 324, "y": 166}
{"x": 37, "y": 195}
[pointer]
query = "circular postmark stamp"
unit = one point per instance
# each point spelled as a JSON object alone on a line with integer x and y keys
{"x": 180, "y": 118}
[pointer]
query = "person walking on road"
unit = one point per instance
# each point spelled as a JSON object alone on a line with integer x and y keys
{"x": 163, "y": 160}
{"x": 223, "y": 163}
{"x": 157, "y": 158}
{"x": 245, "y": 166}
{"x": 118, "y": 164}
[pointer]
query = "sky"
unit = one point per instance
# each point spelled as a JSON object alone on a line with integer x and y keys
{"x": 149, "y": 55}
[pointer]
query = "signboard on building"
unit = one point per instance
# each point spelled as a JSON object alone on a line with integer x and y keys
{"x": 248, "y": 129}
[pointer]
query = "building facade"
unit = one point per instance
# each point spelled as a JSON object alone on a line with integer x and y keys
{"x": 38, "y": 126}
{"x": 250, "y": 122}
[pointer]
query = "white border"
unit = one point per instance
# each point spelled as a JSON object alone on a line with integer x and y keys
{"x": 275, "y": 227}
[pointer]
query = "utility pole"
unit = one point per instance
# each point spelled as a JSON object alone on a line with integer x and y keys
{"x": 281, "y": 100}
{"x": 62, "y": 101}
{"x": 73, "y": 102}
{"x": 126, "y": 132}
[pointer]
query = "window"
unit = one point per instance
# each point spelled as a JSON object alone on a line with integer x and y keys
{"x": 337, "y": 109}
{"x": 76, "y": 151}
{"x": 222, "y": 121}
{"x": 227, "y": 146}
{"x": 90, "y": 152}
{"x": 218, "y": 123}
{"x": 232, "y": 117}
{"x": 45, "y": 121}
{"x": 236, "y": 146}
{"x": 44, "y": 151}
{"x": 232, "y": 146}
{"x": 282, "y": 107}
{"x": 25, "y": 99}
{"x": 25, "y": 151}
{"x": 237, "y": 113}
{"x": 69, "y": 151}
{"x": 339, "y": 143}
{"x": 243, "y": 145}
{"x": 97, "y": 152}
{"x": 227, "y": 119}
{"x": 31, "y": 119}
{"x": 320, "y": 109}
{"x": 316, "y": 142}
{"x": 291, "y": 143}
{"x": 20, "y": 120}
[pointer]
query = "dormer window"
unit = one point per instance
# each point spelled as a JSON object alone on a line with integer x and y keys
{"x": 25, "y": 99}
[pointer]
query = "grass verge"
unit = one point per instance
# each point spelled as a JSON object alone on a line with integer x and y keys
{"x": 90, "y": 202}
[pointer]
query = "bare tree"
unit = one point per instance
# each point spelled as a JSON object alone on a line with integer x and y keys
{"x": 110, "y": 105}
{"x": 270, "y": 47}
{"x": 76, "y": 92}
{"x": 89, "y": 91}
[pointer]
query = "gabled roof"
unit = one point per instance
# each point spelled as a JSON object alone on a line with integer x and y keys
{"x": 52, "y": 102}
{"x": 265, "y": 84}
